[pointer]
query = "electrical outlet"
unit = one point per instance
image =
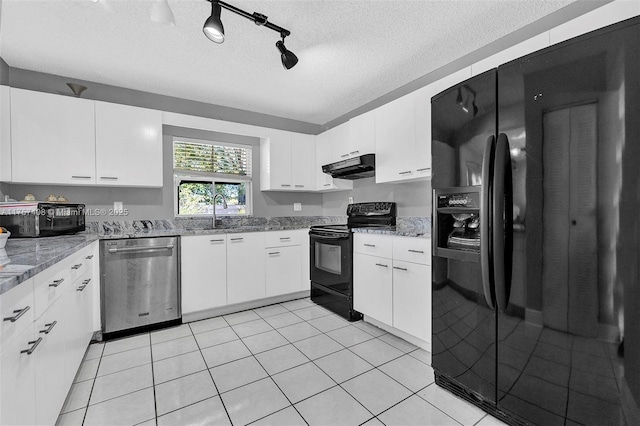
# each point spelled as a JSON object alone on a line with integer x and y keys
{"x": 297, "y": 207}
{"x": 350, "y": 200}
{"x": 118, "y": 206}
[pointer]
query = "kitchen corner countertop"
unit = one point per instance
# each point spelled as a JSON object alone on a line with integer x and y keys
{"x": 23, "y": 258}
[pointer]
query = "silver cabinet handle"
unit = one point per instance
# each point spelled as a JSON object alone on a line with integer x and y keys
{"x": 56, "y": 283}
{"x": 49, "y": 327}
{"x": 405, "y": 173}
{"x": 81, "y": 288}
{"x": 285, "y": 184}
{"x": 284, "y": 238}
{"x": 77, "y": 266}
{"x": 344, "y": 155}
{"x": 87, "y": 281}
{"x": 354, "y": 152}
{"x": 35, "y": 344}
{"x": 237, "y": 239}
{"x": 89, "y": 257}
{"x": 380, "y": 264}
{"x": 274, "y": 253}
{"x": 109, "y": 177}
{"x": 18, "y": 313}
{"x": 299, "y": 186}
{"x": 134, "y": 249}
{"x": 402, "y": 269}
{"x": 327, "y": 184}
{"x": 416, "y": 251}
{"x": 221, "y": 240}
{"x": 369, "y": 245}
{"x": 423, "y": 169}
{"x": 80, "y": 177}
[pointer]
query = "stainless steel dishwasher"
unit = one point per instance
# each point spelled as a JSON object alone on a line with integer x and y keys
{"x": 140, "y": 284}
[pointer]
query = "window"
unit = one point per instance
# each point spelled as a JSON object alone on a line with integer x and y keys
{"x": 203, "y": 169}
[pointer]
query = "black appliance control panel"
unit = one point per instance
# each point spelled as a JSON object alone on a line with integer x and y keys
{"x": 468, "y": 200}
{"x": 372, "y": 209}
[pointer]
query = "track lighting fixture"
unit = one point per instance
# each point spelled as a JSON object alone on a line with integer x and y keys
{"x": 214, "y": 30}
{"x": 161, "y": 12}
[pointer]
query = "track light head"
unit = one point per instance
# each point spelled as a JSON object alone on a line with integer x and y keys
{"x": 213, "y": 28}
{"x": 289, "y": 59}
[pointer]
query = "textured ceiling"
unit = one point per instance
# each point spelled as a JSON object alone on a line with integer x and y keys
{"x": 351, "y": 52}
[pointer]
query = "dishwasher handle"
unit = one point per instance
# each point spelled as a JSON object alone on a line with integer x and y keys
{"x": 136, "y": 249}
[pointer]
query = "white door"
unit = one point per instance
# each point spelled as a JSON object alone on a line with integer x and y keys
{"x": 204, "y": 272}
{"x": 245, "y": 267}
{"x": 283, "y": 270}
{"x": 372, "y": 287}
{"x": 412, "y": 299}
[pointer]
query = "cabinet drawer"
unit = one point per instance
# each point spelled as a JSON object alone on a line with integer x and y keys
{"x": 50, "y": 284}
{"x": 410, "y": 249}
{"x": 284, "y": 238}
{"x": 17, "y": 310}
{"x": 373, "y": 244}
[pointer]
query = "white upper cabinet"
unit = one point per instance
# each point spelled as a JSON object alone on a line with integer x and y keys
{"x": 53, "y": 138}
{"x": 395, "y": 134}
{"x": 360, "y": 136}
{"x": 325, "y": 143}
{"x": 5, "y": 134}
{"x": 286, "y": 161}
{"x": 608, "y": 14}
{"x": 303, "y": 156}
{"x": 128, "y": 146}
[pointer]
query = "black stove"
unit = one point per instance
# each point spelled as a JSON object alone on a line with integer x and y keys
{"x": 332, "y": 255}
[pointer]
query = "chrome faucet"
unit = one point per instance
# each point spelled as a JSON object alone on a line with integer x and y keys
{"x": 224, "y": 206}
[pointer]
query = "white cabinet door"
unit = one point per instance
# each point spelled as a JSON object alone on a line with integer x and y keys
{"x": 303, "y": 157}
{"x": 339, "y": 140}
{"x": 275, "y": 162}
{"x": 204, "y": 272}
{"x": 76, "y": 301}
{"x": 5, "y": 134}
{"x": 395, "y": 135}
{"x": 373, "y": 287}
{"x": 52, "y": 382}
{"x": 245, "y": 267}
{"x": 128, "y": 145}
{"x": 324, "y": 155}
{"x": 52, "y": 139}
{"x": 305, "y": 250}
{"x": 412, "y": 299}
{"x": 17, "y": 380}
{"x": 361, "y": 135}
{"x": 283, "y": 270}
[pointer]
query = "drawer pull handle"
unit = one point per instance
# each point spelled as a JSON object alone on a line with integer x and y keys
{"x": 56, "y": 283}
{"x": 81, "y": 288}
{"x": 80, "y": 177}
{"x": 35, "y": 344}
{"x": 423, "y": 169}
{"x": 89, "y": 257}
{"x": 139, "y": 249}
{"x": 217, "y": 241}
{"x": 416, "y": 251}
{"x": 369, "y": 245}
{"x": 405, "y": 173}
{"x": 18, "y": 313}
{"x": 285, "y": 238}
{"x": 285, "y": 185}
{"x": 344, "y": 155}
{"x": 274, "y": 253}
{"x": 237, "y": 239}
{"x": 109, "y": 177}
{"x": 299, "y": 186}
{"x": 78, "y": 266}
{"x": 354, "y": 152}
{"x": 327, "y": 184}
{"x": 50, "y": 327}
{"x": 402, "y": 269}
{"x": 86, "y": 282}
{"x": 380, "y": 264}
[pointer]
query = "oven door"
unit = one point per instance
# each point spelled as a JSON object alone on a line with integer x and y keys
{"x": 331, "y": 260}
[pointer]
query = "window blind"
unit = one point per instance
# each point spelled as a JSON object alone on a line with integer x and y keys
{"x": 212, "y": 158}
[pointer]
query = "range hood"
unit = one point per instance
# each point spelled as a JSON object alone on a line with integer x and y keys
{"x": 360, "y": 167}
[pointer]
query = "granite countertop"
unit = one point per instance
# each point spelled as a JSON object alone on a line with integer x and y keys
{"x": 415, "y": 232}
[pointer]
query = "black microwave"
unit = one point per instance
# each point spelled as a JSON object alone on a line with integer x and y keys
{"x": 42, "y": 219}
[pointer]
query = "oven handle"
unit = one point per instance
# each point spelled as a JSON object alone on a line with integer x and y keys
{"x": 328, "y": 237}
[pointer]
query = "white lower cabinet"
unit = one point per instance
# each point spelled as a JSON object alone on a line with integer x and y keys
{"x": 283, "y": 270}
{"x": 204, "y": 272}
{"x": 38, "y": 364}
{"x": 17, "y": 380}
{"x": 245, "y": 267}
{"x": 412, "y": 299}
{"x": 394, "y": 290}
{"x": 373, "y": 287}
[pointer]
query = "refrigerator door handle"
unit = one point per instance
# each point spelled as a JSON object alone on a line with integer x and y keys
{"x": 486, "y": 255}
{"x": 502, "y": 218}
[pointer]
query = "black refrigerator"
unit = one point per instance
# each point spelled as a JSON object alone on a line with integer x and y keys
{"x": 536, "y": 234}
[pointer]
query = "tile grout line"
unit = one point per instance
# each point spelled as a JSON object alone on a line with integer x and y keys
{"x": 153, "y": 382}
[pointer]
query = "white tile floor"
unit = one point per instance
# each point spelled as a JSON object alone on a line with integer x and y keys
{"x": 292, "y": 363}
